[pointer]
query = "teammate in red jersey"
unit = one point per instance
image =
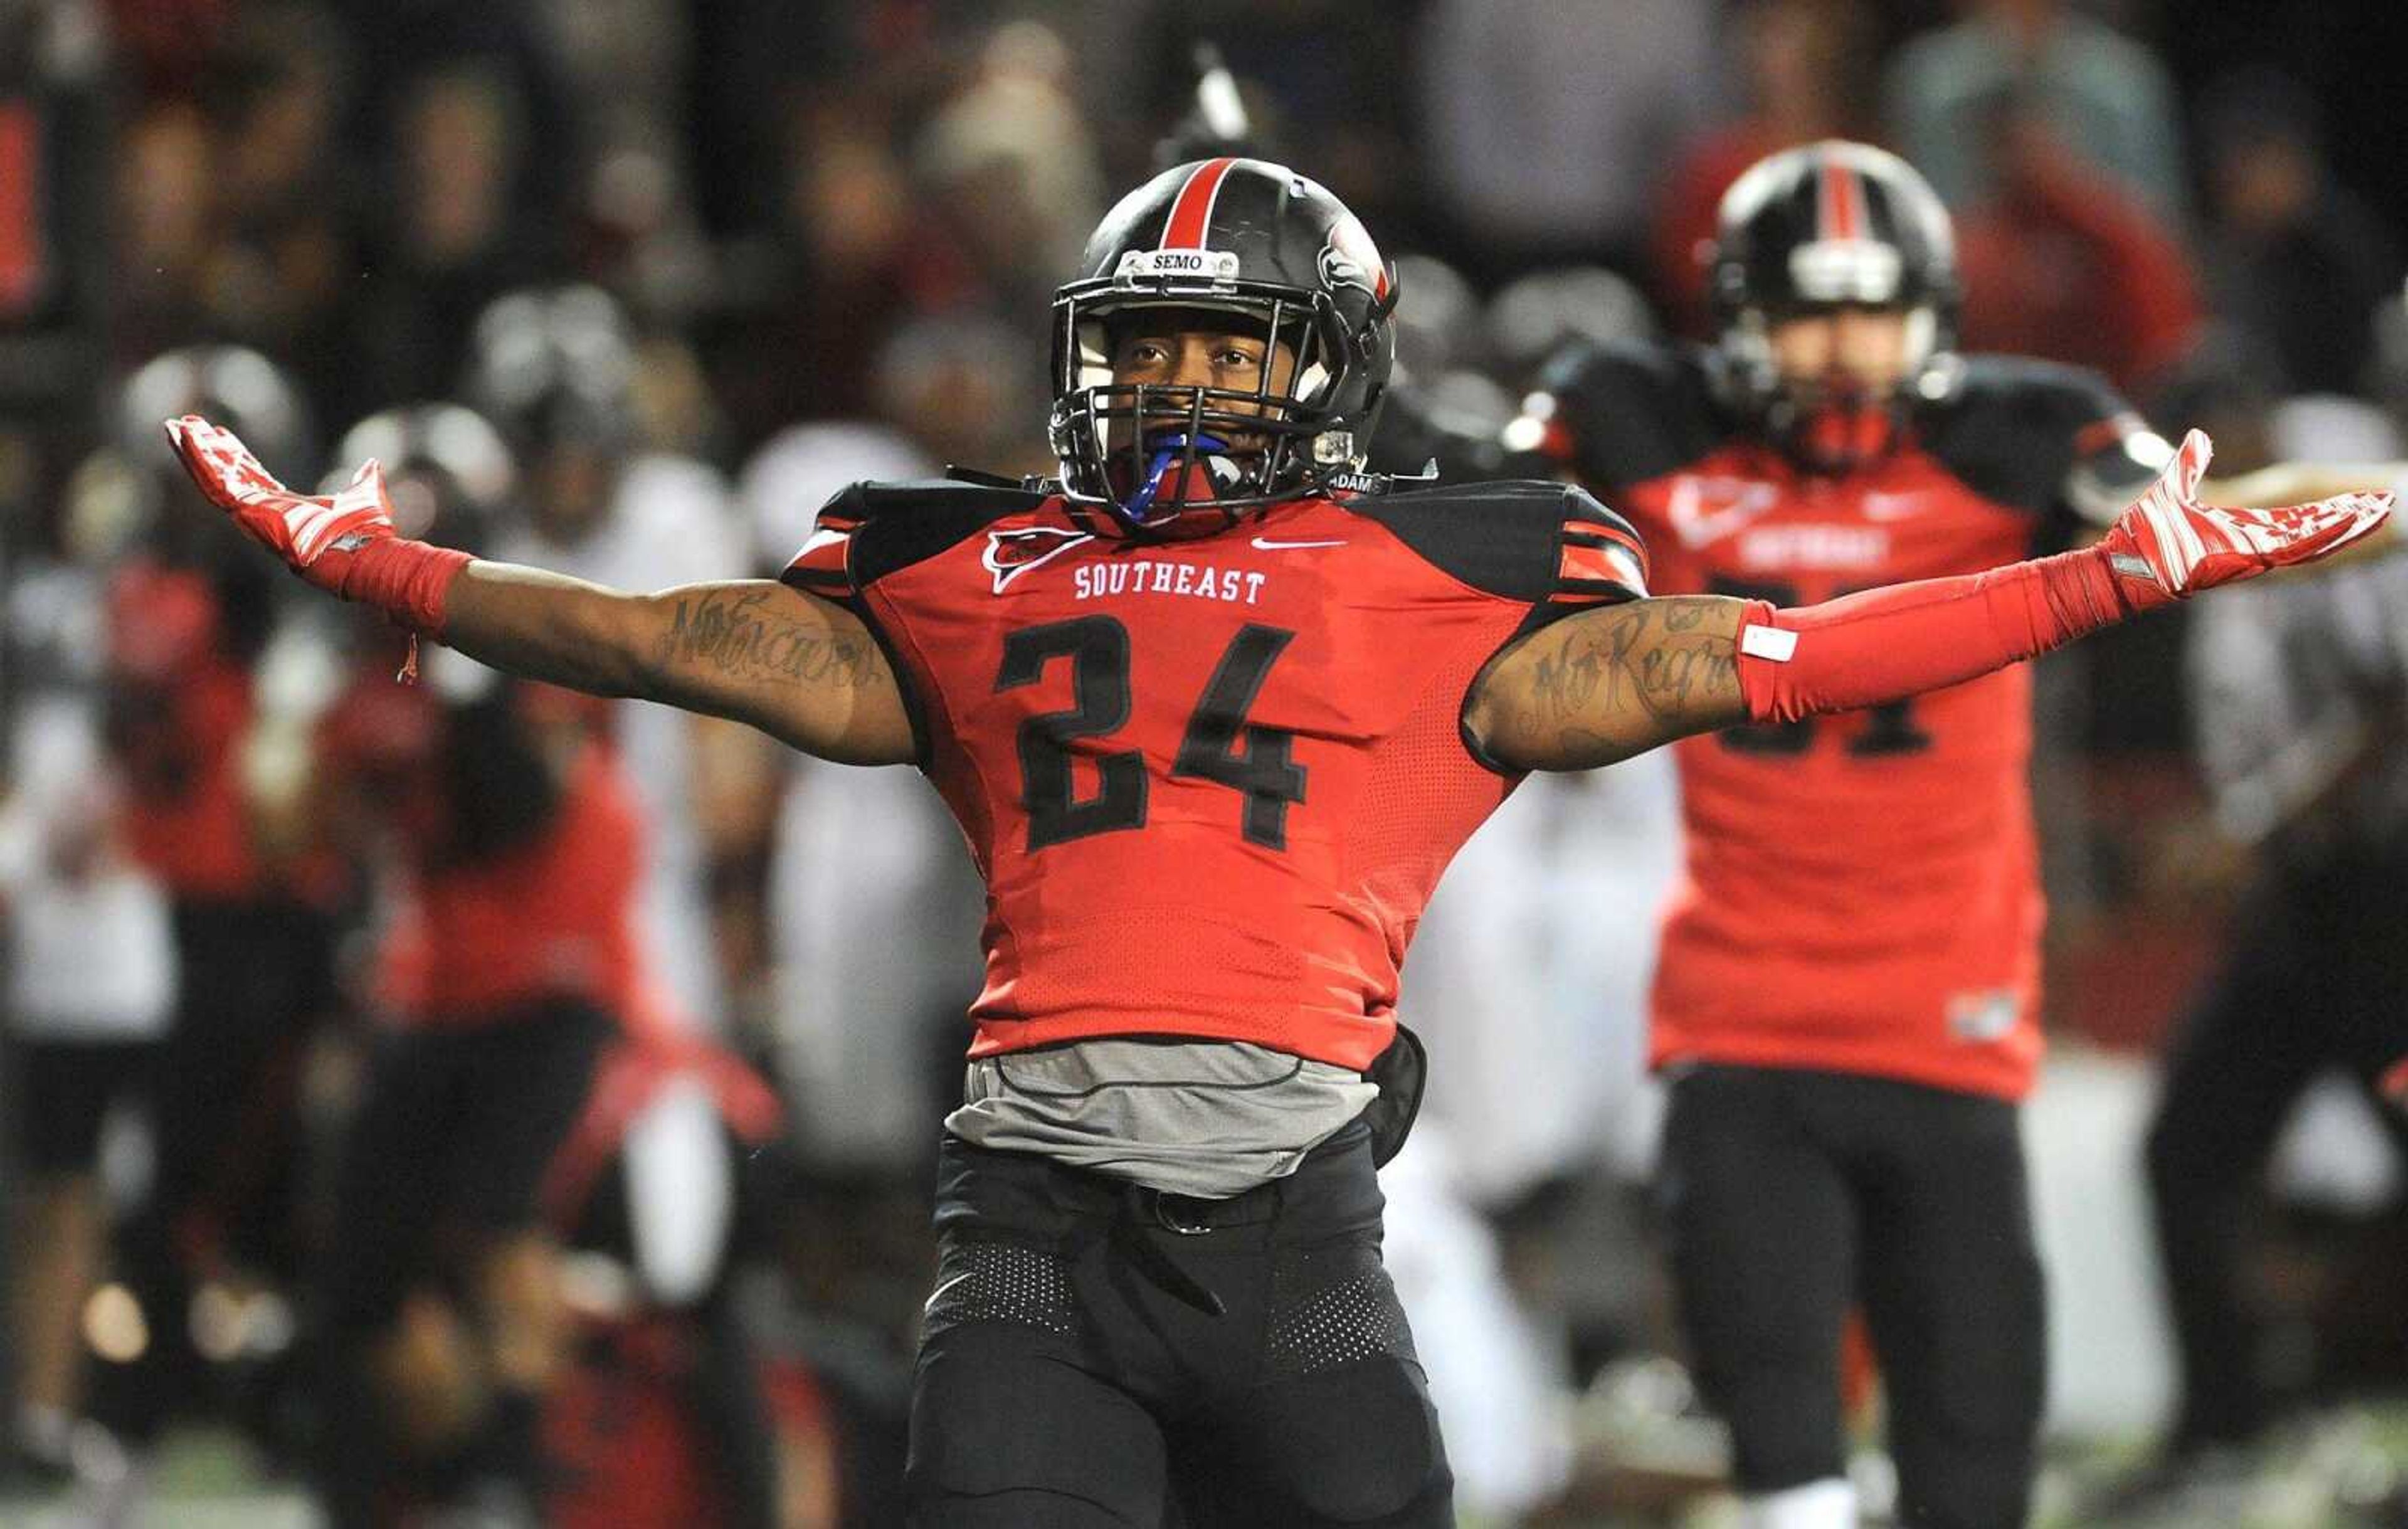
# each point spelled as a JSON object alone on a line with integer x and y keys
{"x": 1845, "y": 996}
{"x": 1213, "y": 710}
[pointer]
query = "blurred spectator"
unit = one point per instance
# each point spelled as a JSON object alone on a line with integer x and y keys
{"x": 1544, "y": 124}
{"x": 760, "y": 67}
{"x": 2064, "y": 263}
{"x": 962, "y": 388}
{"x": 164, "y": 218}
{"x": 555, "y": 368}
{"x": 956, "y": 219}
{"x": 59, "y": 146}
{"x": 1806, "y": 70}
{"x": 463, "y": 118}
{"x": 2308, "y": 762}
{"x": 1440, "y": 329}
{"x": 2294, "y": 259}
{"x": 283, "y": 266}
{"x": 1346, "y": 110}
{"x": 1495, "y": 1372}
{"x": 674, "y": 1409}
{"x": 2103, "y": 95}
{"x": 869, "y": 1032}
{"x": 1539, "y": 1109}
{"x": 440, "y": 1288}
{"x": 1531, "y": 318}
{"x": 189, "y": 614}
{"x": 505, "y": 964}
{"x": 1009, "y": 167}
{"x": 857, "y": 257}
{"x": 90, "y": 968}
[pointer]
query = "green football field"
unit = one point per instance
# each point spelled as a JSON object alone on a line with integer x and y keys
{"x": 2345, "y": 1468}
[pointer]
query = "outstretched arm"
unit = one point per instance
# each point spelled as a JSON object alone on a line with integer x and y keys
{"x": 1619, "y": 680}
{"x": 800, "y": 668}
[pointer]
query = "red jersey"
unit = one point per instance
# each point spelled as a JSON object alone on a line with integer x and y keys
{"x": 186, "y": 816}
{"x": 479, "y": 938}
{"x": 1862, "y": 891}
{"x": 1210, "y": 784}
{"x": 549, "y": 918}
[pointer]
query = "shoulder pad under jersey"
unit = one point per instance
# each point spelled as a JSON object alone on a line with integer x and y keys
{"x": 869, "y": 530}
{"x": 2039, "y": 435}
{"x": 1530, "y": 540}
{"x": 1621, "y": 413}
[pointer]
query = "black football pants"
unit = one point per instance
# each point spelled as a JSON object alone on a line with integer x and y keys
{"x": 1072, "y": 1374}
{"x": 1793, "y": 1196}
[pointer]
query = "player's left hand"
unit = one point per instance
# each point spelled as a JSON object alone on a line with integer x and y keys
{"x": 2167, "y": 546}
{"x": 313, "y": 533}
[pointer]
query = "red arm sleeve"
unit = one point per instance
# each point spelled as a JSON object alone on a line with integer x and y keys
{"x": 1886, "y": 644}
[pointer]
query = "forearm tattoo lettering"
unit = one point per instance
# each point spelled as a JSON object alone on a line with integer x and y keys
{"x": 1622, "y": 679}
{"x": 734, "y": 635}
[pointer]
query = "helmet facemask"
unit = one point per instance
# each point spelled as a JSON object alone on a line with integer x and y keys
{"x": 1175, "y": 460}
{"x": 1233, "y": 247}
{"x": 1835, "y": 421}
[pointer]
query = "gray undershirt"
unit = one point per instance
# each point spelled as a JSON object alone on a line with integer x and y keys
{"x": 1211, "y": 1118}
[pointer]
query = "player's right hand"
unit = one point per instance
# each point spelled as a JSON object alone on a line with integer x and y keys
{"x": 2167, "y": 546}
{"x": 301, "y": 528}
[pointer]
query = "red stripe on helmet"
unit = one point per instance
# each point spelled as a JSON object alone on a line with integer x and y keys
{"x": 1191, "y": 210}
{"x": 1840, "y": 203}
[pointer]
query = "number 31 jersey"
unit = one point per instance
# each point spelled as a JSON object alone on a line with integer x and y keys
{"x": 1862, "y": 890}
{"x": 1210, "y": 784}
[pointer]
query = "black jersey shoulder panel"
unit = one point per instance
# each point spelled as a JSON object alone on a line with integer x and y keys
{"x": 2012, "y": 430}
{"x": 1504, "y": 538}
{"x": 1632, "y": 411}
{"x": 894, "y": 525}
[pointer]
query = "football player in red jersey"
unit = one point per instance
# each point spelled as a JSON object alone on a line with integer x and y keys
{"x": 1844, "y": 1000}
{"x": 1213, "y": 710}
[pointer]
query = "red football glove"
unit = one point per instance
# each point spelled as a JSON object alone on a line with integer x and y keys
{"x": 2166, "y": 545}
{"x": 316, "y": 535}
{"x": 344, "y": 545}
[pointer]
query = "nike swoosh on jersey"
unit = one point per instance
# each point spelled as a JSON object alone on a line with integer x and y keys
{"x": 1735, "y": 502}
{"x": 1269, "y": 545}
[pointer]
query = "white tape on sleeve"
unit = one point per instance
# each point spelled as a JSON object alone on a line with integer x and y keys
{"x": 1771, "y": 642}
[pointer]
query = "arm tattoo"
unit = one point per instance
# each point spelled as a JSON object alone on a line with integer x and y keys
{"x": 734, "y": 636}
{"x": 1622, "y": 679}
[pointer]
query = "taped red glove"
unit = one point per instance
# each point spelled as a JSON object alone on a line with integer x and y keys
{"x": 343, "y": 543}
{"x": 2166, "y": 545}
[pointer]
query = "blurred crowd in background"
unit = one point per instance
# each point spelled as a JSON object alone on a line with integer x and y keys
{"x": 626, "y": 288}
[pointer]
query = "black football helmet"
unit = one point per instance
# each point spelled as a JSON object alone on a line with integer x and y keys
{"x": 1254, "y": 247}
{"x": 1831, "y": 225}
{"x": 449, "y": 471}
{"x": 233, "y": 384}
{"x": 554, "y": 366}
